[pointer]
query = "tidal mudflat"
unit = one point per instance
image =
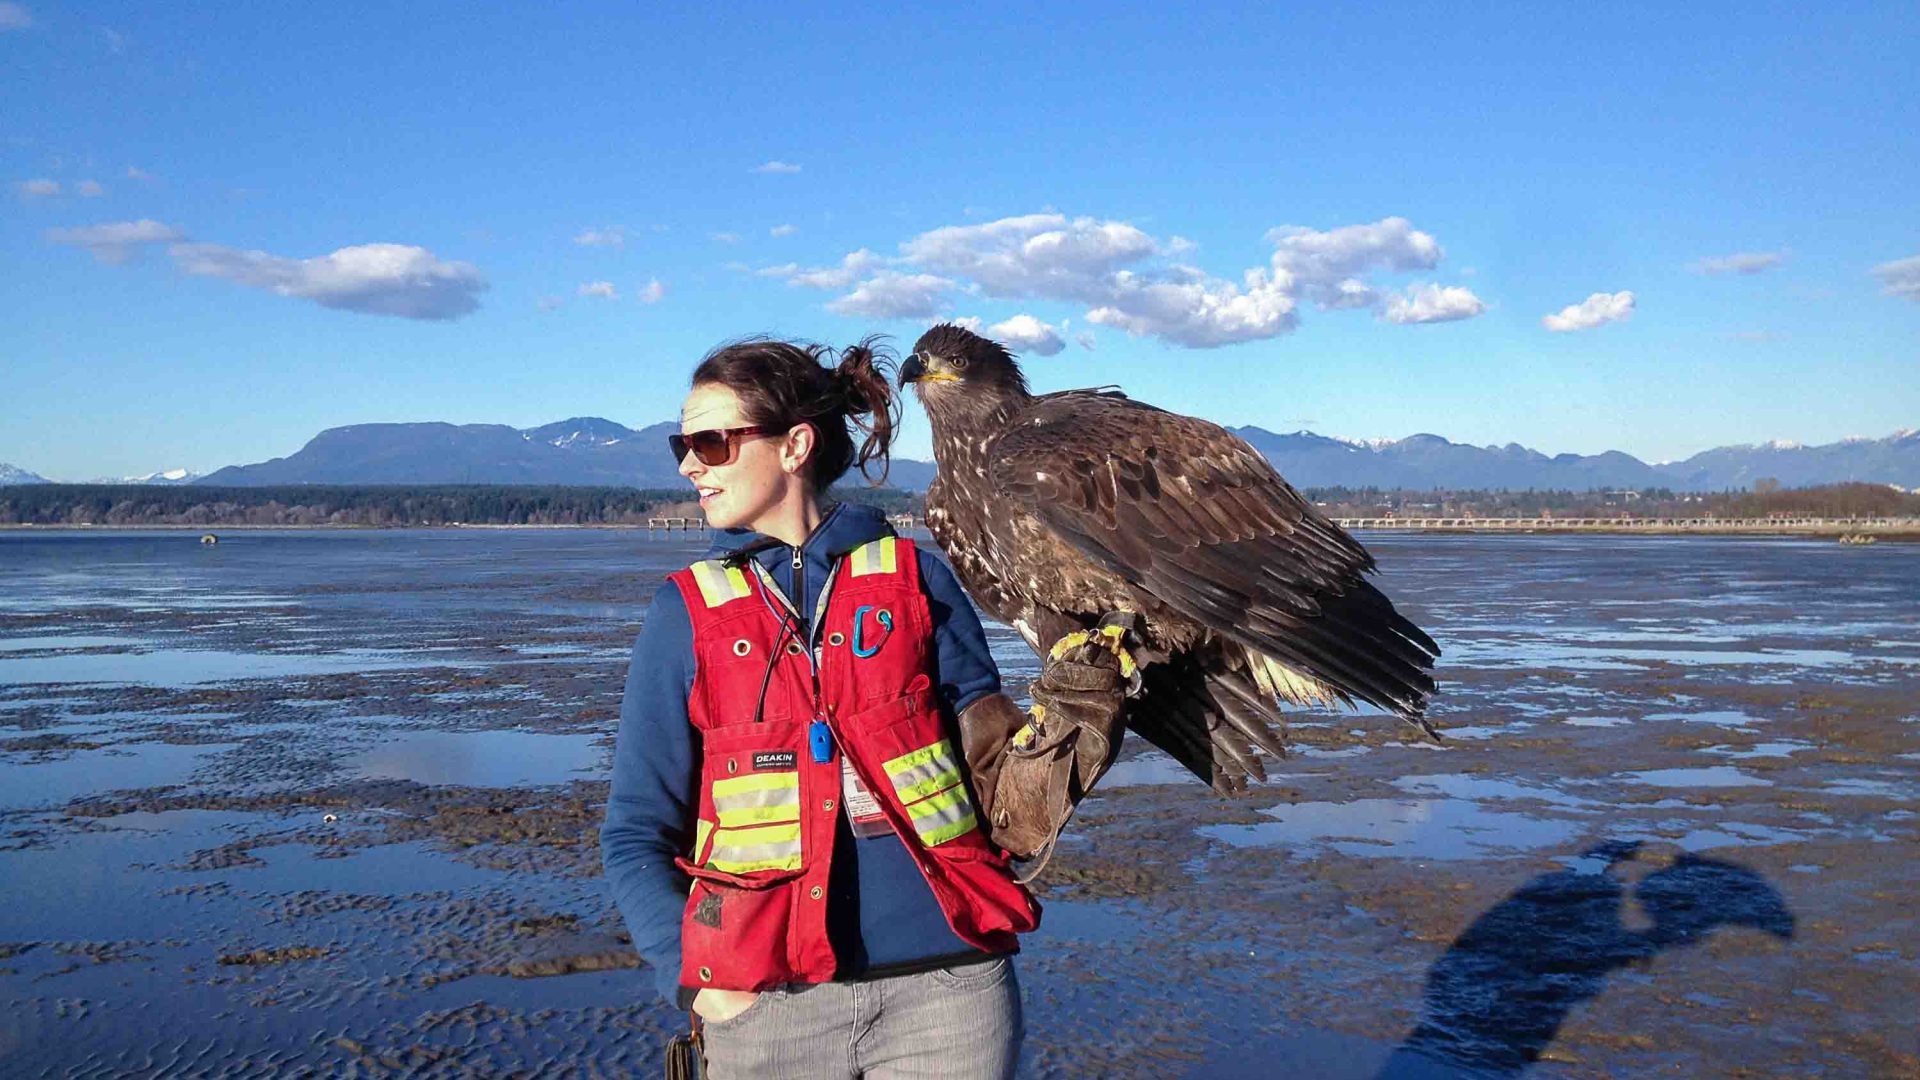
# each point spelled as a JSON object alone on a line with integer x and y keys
{"x": 325, "y": 804}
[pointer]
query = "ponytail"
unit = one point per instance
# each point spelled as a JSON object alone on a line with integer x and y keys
{"x": 871, "y": 404}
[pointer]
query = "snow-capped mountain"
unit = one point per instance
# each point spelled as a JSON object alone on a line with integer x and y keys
{"x": 167, "y": 476}
{"x": 581, "y": 431}
{"x": 14, "y": 474}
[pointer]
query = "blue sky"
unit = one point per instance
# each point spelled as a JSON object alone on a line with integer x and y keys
{"x": 226, "y": 227}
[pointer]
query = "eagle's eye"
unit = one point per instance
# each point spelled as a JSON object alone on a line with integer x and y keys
{"x": 958, "y": 363}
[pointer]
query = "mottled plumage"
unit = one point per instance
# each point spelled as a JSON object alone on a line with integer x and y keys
{"x": 1057, "y": 509}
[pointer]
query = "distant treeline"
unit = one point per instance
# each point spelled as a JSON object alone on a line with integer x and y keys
{"x": 481, "y": 504}
{"x": 379, "y": 507}
{"x": 1768, "y": 499}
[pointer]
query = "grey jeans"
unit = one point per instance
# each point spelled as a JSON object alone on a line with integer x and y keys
{"x": 961, "y": 1023}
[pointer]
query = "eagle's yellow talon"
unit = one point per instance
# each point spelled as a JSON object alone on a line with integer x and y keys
{"x": 1106, "y": 637}
{"x": 1070, "y": 642}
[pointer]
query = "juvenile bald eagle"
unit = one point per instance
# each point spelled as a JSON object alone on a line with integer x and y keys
{"x": 1057, "y": 509}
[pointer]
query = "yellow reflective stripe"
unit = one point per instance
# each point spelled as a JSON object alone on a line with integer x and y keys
{"x": 735, "y": 788}
{"x": 759, "y": 815}
{"x": 943, "y": 817}
{"x": 874, "y": 557}
{"x": 701, "y": 828}
{"x": 924, "y": 771}
{"x": 719, "y": 582}
{"x": 757, "y": 799}
{"x": 762, "y": 847}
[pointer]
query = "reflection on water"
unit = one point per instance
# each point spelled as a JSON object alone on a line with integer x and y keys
{"x": 189, "y": 667}
{"x": 480, "y": 758}
{"x": 1708, "y": 776}
{"x": 32, "y": 784}
{"x": 1400, "y": 828}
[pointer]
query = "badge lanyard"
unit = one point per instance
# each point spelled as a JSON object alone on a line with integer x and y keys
{"x": 819, "y": 736}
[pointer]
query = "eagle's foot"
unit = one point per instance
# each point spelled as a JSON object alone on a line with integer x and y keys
{"x": 1111, "y": 635}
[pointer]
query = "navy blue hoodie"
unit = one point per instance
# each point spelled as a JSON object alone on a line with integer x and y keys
{"x": 880, "y": 915}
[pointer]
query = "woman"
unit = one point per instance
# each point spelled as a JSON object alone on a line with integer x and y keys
{"x": 797, "y": 847}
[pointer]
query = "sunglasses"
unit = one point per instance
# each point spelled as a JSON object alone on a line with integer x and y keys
{"x": 714, "y": 446}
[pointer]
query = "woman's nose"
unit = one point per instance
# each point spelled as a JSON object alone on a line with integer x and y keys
{"x": 689, "y": 464}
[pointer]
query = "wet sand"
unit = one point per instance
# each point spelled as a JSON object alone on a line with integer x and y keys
{"x": 325, "y": 804}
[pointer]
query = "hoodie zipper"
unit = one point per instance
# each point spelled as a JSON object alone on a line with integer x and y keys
{"x": 800, "y": 589}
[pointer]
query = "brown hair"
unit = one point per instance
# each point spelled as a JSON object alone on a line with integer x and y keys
{"x": 783, "y": 385}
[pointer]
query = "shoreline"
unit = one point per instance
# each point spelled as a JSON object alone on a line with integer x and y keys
{"x": 1897, "y": 531}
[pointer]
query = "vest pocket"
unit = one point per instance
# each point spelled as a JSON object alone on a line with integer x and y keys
{"x": 752, "y": 776}
{"x": 905, "y": 739}
{"x": 733, "y": 934}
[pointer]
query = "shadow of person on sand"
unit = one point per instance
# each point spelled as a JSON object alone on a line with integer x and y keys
{"x": 1497, "y": 998}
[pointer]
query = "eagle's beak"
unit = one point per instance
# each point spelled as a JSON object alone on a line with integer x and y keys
{"x": 913, "y": 370}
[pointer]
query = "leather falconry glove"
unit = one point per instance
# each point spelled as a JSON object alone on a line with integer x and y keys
{"x": 1031, "y": 771}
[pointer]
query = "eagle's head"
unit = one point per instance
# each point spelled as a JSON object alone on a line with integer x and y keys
{"x": 949, "y": 361}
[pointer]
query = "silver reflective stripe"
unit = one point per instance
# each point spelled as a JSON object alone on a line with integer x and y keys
{"x": 943, "y": 817}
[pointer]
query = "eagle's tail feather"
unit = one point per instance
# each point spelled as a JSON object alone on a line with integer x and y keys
{"x": 1177, "y": 712}
{"x": 1228, "y": 740}
{"x": 1253, "y": 715}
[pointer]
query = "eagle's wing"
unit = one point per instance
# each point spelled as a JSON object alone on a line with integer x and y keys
{"x": 1190, "y": 513}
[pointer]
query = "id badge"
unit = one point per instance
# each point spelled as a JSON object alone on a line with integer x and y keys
{"x": 863, "y": 810}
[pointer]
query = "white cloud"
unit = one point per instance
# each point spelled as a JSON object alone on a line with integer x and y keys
{"x": 1594, "y": 311}
{"x": 90, "y": 189}
{"x": 613, "y": 236}
{"x": 1200, "y": 314}
{"x": 1745, "y": 262}
{"x": 1325, "y": 265}
{"x": 855, "y": 265}
{"x": 970, "y": 322}
{"x": 1084, "y": 339}
{"x": 727, "y": 237}
{"x": 894, "y": 295}
{"x": 1427, "y": 303}
{"x": 1044, "y": 256}
{"x": 602, "y": 289}
{"x": 1900, "y": 278}
{"x": 14, "y": 17}
{"x": 38, "y": 189}
{"x": 134, "y": 172}
{"x": 1106, "y": 266}
{"x": 777, "y": 168}
{"x": 373, "y": 279}
{"x": 783, "y": 230}
{"x": 1024, "y": 333}
{"x": 117, "y": 242}
{"x": 652, "y": 292}
{"x": 1130, "y": 281}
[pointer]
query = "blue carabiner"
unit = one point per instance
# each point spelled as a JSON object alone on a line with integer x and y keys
{"x": 885, "y": 619}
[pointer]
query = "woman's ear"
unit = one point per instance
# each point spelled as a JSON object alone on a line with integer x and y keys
{"x": 797, "y": 448}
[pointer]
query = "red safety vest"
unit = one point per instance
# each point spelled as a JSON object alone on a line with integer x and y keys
{"x": 771, "y": 792}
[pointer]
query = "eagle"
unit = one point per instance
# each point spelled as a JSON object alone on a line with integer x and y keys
{"x": 1056, "y": 510}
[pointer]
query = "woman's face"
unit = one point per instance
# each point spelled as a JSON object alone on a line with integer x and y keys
{"x": 743, "y": 491}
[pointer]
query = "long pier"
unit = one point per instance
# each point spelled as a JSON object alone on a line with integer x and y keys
{"x": 1805, "y": 526}
{"x": 1810, "y": 526}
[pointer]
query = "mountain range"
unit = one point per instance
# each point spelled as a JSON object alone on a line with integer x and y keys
{"x": 590, "y": 450}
